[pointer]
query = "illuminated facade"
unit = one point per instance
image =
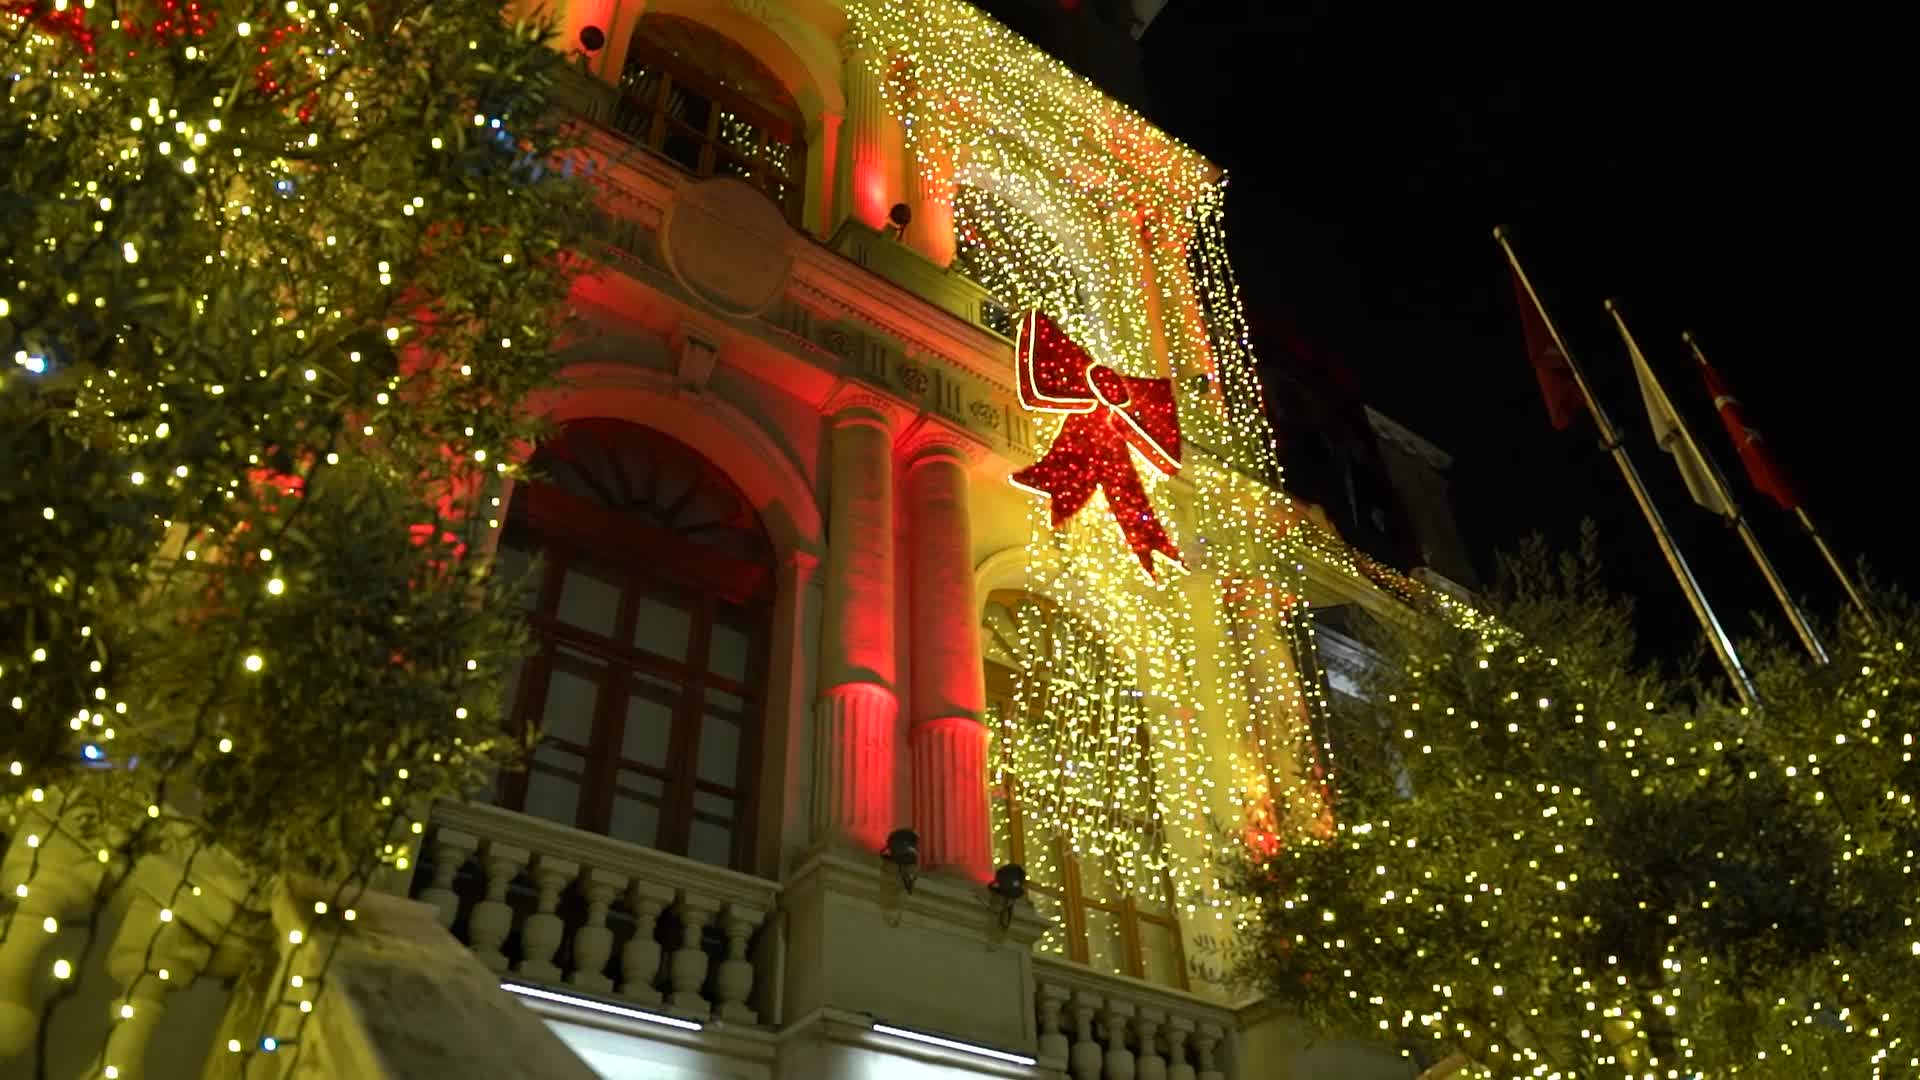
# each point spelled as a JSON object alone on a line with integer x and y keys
{"x": 790, "y": 602}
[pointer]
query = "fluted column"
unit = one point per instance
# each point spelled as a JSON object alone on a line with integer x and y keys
{"x": 930, "y": 197}
{"x": 872, "y": 137}
{"x": 949, "y": 741}
{"x": 623, "y": 17}
{"x": 823, "y": 171}
{"x": 853, "y": 791}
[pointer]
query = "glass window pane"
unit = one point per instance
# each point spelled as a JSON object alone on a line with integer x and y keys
{"x": 1050, "y": 908}
{"x": 721, "y": 718}
{"x": 636, "y": 810}
{"x": 553, "y": 785}
{"x": 1159, "y": 953}
{"x": 731, "y": 649}
{"x": 664, "y": 623}
{"x": 1106, "y": 942}
{"x": 511, "y": 563}
{"x": 589, "y": 599}
{"x": 649, "y": 729}
{"x": 568, "y": 712}
{"x": 710, "y": 839}
{"x": 1003, "y": 831}
{"x": 688, "y": 107}
{"x": 683, "y": 149}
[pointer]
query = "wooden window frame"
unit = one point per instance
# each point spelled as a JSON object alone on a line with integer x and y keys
{"x": 1075, "y": 903}
{"x": 651, "y": 111}
{"x": 567, "y": 530}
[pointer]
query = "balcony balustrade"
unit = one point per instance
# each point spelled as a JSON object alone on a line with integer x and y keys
{"x": 1094, "y": 1026}
{"x": 550, "y": 904}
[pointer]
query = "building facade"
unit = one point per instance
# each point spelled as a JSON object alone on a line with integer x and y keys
{"x": 920, "y": 611}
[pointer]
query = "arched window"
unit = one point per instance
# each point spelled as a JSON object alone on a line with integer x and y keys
{"x": 651, "y": 622}
{"x": 709, "y": 105}
{"x": 1073, "y": 791}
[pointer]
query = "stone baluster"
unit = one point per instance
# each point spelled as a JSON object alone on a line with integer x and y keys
{"x": 1119, "y": 1059}
{"x": 49, "y": 872}
{"x": 640, "y": 960}
{"x": 1178, "y": 1031}
{"x": 733, "y": 979}
{"x": 853, "y": 780}
{"x": 1204, "y": 1040}
{"x": 1147, "y": 1025}
{"x": 53, "y": 893}
{"x": 1085, "y": 1058}
{"x": 541, "y": 933}
{"x": 491, "y": 921}
{"x": 1053, "y": 1043}
{"x": 687, "y": 970}
{"x": 178, "y": 955}
{"x": 948, "y": 740}
{"x": 593, "y": 942}
{"x": 451, "y": 849}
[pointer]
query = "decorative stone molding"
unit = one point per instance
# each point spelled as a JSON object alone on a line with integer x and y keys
{"x": 696, "y": 352}
{"x": 927, "y": 437}
{"x": 728, "y": 244}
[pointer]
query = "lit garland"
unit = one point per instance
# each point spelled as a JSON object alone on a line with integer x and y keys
{"x": 274, "y": 281}
{"x": 1068, "y": 203}
{"x": 1545, "y": 868}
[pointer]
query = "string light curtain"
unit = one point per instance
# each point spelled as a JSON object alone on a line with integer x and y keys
{"x": 1056, "y": 187}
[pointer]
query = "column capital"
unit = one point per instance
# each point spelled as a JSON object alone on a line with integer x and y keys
{"x": 852, "y": 404}
{"x": 927, "y": 439}
{"x": 826, "y": 123}
{"x": 800, "y": 565}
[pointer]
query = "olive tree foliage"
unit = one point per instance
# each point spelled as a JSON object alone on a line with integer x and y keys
{"x": 1554, "y": 859}
{"x": 276, "y": 283}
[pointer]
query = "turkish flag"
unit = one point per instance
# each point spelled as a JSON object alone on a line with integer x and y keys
{"x": 1766, "y": 474}
{"x": 1557, "y": 383}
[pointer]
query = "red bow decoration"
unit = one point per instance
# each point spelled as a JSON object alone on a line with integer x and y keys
{"x": 1107, "y": 412}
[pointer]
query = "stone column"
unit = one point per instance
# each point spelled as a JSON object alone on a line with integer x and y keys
{"x": 853, "y": 792}
{"x": 871, "y": 180}
{"x": 930, "y": 171}
{"x": 823, "y": 169}
{"x": 622, "y": 16}
{"x": 948, "y": 739}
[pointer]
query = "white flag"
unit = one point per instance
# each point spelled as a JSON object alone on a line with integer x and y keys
{"x": 1694, "y": 469}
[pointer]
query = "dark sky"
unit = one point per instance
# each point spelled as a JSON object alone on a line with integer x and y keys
{"x": 1734, "y": 170}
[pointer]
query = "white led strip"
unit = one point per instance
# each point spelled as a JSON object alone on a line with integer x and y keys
{"x": 955, "y": 1044}
{"x": 598, "y": 1006}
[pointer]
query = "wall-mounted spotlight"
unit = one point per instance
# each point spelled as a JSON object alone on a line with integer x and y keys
{"x": 898, "y": 219}
{"x": 1009, "y": 884}
{"x": 592, "y": 38}
{"x": 903, "y": 852}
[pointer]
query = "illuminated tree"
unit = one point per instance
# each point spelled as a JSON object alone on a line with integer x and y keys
{"x": 1551, "y": 860}
{"x": 275, "y": 282}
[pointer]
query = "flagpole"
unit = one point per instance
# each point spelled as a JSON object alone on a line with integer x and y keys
{"x": 1719, "y": 481}
{"x": 1610, "y": 440}
{"x": 1806, "y": 522}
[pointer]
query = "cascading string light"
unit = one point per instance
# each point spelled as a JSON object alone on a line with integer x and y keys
{"x": 1064, "y": 201}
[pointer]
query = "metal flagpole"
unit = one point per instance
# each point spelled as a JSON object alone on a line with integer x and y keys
{"x": 1719, "y": 481}
{"x": 1800, "y": 512}
{"x": 1610, "y": 439}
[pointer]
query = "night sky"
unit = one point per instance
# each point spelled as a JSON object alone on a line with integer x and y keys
{"x": 1739, "y": 172}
